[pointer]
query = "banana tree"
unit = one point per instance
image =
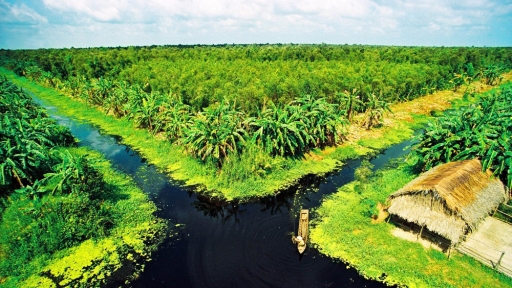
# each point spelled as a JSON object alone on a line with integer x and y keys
{"x": 461, "y": 79}
{"x": 323, "y": 121}
{"x": 145, "y": 109}
{"x": 68, "y": 169}
{"x": 26, "y": 137}
{"x": 491, "y": 74}
{"x": 104, "y": 88}
{"x": 175, "y": 118}
{"x": 375, "y": 109}
{"x": 350, "y": 101}
{"x": 281, "y": 131}
{"x": 47, "y": 79}
{"x": 118, "y": 98}
{"x": 483, "y": 131}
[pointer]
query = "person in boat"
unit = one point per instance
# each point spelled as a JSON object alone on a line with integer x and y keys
{"x": 299, "y": 241}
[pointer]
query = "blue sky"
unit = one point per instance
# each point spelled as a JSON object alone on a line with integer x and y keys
{"x": 92, "y": 23}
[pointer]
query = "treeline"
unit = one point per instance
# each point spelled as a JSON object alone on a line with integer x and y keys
{"x": 221, "y": 129}
{"x": 482, "y": 130}
{"x": 283, "y": 99}
{"x": 255, "y": 74}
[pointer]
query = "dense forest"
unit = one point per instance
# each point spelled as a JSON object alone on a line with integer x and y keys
{"x": 255, "y": 74}
{"x": 282, "y": 99}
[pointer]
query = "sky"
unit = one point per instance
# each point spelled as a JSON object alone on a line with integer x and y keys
{"x": 28, "y": 24}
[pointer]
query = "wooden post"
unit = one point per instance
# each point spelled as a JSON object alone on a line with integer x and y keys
{"x": 499, "y": 261}
{"x": 494, "y": 212}
{"x": 421, "y": 231}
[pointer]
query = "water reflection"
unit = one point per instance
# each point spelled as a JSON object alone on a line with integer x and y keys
{"x": 216, "y": 208}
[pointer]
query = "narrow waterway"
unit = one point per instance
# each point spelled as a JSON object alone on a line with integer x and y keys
{"x": 230, "y": 244}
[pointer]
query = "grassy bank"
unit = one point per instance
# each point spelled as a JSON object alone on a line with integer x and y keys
{"x": 344, "y": 230}
{"x": 255, "y": 174}
{"x": 116, "y": 258}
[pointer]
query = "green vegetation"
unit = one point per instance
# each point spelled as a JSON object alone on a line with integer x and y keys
{"x": 26, "y": 138}
{"x": 345, "y": 230}
{"x": 242, "y": 176}
{"x": 51, "y": 241}
{"x": 348, "y": 228}
{"x": 242, "y": 121}
{"x": 148, "y": 84}
{"x": 67, "y": 218}
{"x": 214, "y": 103}
{"x": 256, "y": 74}
{"x": 482, "y": 130}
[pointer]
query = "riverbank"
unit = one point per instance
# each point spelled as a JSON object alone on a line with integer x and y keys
{"x": 269, "y": 174}
{"x": 115, "y": 259}
{"x": 344, "y": 230}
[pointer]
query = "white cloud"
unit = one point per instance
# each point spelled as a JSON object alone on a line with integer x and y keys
{"x": 453, "y": 21}
{"x": 452, "y": 13}
{"x": 100, "y": 10}
{"x": 19, "y": 14}
{"x": 139, "y": 10}
{"x": 325, "y": 15}
{"x": 140, "y": 22}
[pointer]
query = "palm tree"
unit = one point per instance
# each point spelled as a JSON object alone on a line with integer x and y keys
{"x": 216, "y": 132}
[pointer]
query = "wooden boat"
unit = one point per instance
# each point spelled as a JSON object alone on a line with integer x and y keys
{"x": 303, "y": 229}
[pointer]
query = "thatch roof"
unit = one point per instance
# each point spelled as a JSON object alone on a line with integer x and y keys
{"x": 449, "y": 199}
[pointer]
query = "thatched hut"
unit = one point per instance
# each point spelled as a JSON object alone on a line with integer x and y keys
{"x": 449, "y": 200}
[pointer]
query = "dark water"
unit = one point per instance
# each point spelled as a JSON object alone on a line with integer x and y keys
{"x": 222, "y": 244}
